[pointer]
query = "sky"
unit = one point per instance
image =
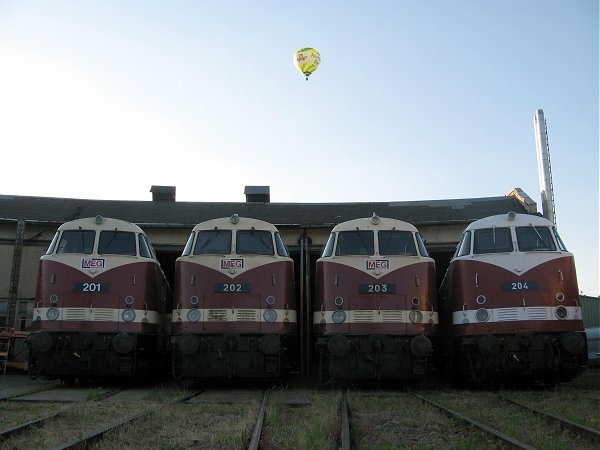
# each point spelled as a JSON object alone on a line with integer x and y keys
{"x": 413, "y": 100}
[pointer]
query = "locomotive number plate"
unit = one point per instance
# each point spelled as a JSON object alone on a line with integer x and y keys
{"x": 521, "y": 286}
{"x": 221, "y": 288}
{"x": 91, "y": 287}
{"x": 376, "y": 288}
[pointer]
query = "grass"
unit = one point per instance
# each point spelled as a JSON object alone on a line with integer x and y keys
{"x": 314, "y": 425}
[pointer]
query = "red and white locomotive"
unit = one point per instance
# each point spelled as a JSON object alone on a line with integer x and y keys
{"x": 100, "y": 306}
{"x": 374, "y": 310}
{"x": 235, "y": 305}
{"x": 510, "y": 303}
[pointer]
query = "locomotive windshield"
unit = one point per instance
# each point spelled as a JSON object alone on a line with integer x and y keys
{"x": 355, "y": 242}
{"x": 281, "y": 248}
{"x": 253, "y": 242}
{"x": 492, "y": 240}
{"x": 145, "y": 247}
{"x": 534, "y": 239}
{"x": 76, "y": 241}
{"x": 464, "y": 248}
{"x": 397, "y": 243}
{"x": 328, "y": 250}
{"x": 117, "y": 243}
{"x": 213, "y": 242}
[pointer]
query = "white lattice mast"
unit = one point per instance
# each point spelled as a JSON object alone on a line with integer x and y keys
{"x": 545, "y": 170}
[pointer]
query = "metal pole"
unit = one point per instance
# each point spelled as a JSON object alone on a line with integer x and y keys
{"x": 13, "y": 289}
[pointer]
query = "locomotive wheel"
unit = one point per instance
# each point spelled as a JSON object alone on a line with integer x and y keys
{"x": 573, "y": 342}
{"x": 420, "y": 346}
{"x": 338, "y": 345}
{"x": 41, "y": 342}
{"x": 123, "y": 343}
{"x": 270, "y": 344}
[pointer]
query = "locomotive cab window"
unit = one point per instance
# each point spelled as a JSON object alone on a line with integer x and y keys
{"x": 328, "y": 250}
{"x": 355, "y": 242}
{"x": 464, "y": 248}
{"x": 561, "y": 244}
{"x": 421, "y": 244}
{"x": 253, "y": 242}
{"x": 188, "y": 246}
{"x": 145, "y": 247}
{"x": 213, "y": 242}
{"x": 76, "y": 241}
{"x": 394, "y": 242}
{"x": 281, "y": 248}
{"x": 492, "y": 240}
{"x": 53, "y": 244}
{"x": 534, "y": 239}
{"x": 117, "y": 243}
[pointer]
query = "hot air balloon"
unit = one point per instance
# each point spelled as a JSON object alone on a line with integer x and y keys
{"x": 307, "y": 60}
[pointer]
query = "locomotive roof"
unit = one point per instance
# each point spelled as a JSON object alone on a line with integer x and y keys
{"x": 243, "y": 223}
{"x": 106, "y": 223}
{"x": 188, "y": 214}
{"x": 367, "y": 223}
{"x": 508, "y": 220}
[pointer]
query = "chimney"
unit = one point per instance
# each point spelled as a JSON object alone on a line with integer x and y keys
{"x": 259, "y": 194}
{"x": 545, "y": 171}
{"x": 163, "y": 193}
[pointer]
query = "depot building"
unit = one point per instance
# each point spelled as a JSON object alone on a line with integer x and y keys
{"x": 27, "y": 225}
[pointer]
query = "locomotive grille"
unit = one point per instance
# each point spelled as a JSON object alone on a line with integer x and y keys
{"x": 391, "y": 316}
{"x": 507, "y": 314}
{"x": 247, "y": 315}
{"x": 363, "y": 315}
{"x": 104, "y": 314}
{"x": 218, "y": 315}
{"x": 537, "y": 313}
{"x": 74, "y": 313}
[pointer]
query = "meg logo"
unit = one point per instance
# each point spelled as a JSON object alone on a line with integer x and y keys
{"x": 374, "y": 264}
{"x": 92, "y": 263}
{"x": 232, "y": 263}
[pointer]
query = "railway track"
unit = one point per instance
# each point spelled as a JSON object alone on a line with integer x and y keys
{"x": 513, "y": 443}
{"x": 572, "y": 427}
{"x": 496, "y": 415}
{"x": 91, "y": 438}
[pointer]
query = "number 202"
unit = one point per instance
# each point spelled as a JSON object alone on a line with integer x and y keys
{"x": 232, "y": 288}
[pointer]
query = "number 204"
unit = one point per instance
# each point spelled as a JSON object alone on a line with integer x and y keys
{"x": 520, "y": 286}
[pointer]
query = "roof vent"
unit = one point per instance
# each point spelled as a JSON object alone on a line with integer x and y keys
{"x": 257, "y": 194}
{"x": 163, "y": 193}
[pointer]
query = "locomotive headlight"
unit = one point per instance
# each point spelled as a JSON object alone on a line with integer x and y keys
{"x": 270, "y": 300}
{"x": 339, "y": 301}
{"x": 194, "y": 300}
{"x": 54, "y": 299}
{"x": 52, "y": 313}
{"x": 482, "y": 315}
{"x": 128, "y": 315}
{"x": 270, "y": 315}
{"x": 561, "y": 313}
{"x": 129, "y": 300}
{"x": 415, "y": 316}
{"x": 481, "y": 299}
{"x": 560, "y": 296}
{"x": 339, "y": 316}
{"x": 194, "y": 315}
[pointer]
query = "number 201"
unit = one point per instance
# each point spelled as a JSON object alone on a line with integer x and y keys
{"x": 91, "y": 287}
